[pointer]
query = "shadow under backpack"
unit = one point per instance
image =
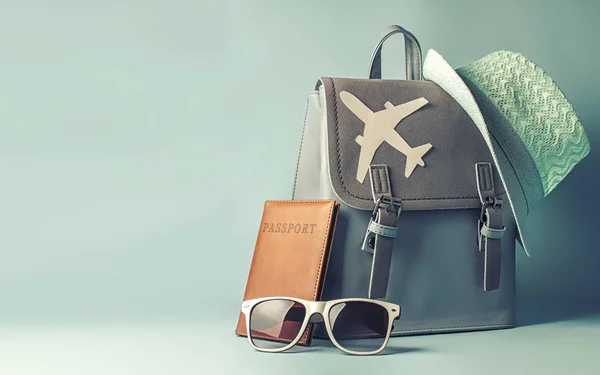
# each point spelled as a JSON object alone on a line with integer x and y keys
{"x": 416, "y": 183}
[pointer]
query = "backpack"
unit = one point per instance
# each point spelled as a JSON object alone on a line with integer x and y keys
{"x": 424, "y": 221}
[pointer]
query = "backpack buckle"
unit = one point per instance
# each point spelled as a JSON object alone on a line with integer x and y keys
{"x": 374, "y": 228}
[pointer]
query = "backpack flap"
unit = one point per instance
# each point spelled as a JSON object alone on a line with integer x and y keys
{"x": 428, "y": 142}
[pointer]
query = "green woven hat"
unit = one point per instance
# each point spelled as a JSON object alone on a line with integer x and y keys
{"x": 531, "y": 128}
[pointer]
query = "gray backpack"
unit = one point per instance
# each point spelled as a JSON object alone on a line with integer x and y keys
{"x": 424, "y": 219}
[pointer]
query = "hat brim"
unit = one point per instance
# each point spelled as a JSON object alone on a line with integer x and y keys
{"x": 437, "y": 70}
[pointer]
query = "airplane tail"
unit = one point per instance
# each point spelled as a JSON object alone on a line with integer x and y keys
{"x": 414, "y": 157}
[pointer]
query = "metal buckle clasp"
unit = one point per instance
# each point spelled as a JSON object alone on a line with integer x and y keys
{"x": 393, "y": 204}
{"x": 494, "y": 203}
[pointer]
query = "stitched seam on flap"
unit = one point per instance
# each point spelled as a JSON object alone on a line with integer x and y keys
{"x": 337, "y": 142}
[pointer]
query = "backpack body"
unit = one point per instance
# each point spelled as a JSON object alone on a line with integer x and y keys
{"x": 437, "y": 269}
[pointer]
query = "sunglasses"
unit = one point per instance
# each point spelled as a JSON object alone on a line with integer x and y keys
{"x": 356, "y": 326}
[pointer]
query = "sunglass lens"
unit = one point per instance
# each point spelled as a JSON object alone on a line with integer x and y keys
{"x": 276, "y": 323}
{"x": 359, "y": 326}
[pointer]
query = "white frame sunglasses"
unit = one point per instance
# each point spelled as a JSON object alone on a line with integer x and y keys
{"x": 322, "y": 308}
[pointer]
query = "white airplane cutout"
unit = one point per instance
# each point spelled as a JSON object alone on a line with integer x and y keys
{"x": 380, "y": 127}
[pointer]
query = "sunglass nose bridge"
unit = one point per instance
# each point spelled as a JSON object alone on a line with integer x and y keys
{"x": 316, "y": 318}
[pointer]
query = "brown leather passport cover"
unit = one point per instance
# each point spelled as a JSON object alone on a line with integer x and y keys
{"x": 291, "y": 253}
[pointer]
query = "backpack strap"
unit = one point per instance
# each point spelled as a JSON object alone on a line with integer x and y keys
{"x": 491, "y": 229}
{"x": 382, "y": 230}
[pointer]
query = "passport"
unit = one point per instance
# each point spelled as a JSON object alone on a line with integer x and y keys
{"x": 291, "y": 253}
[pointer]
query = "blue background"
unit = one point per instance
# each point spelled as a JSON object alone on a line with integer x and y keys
{"x": 139, "y": 140}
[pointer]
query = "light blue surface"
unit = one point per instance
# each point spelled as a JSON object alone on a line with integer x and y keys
{"x": 132, "y": 132}
{"x": 569, "y": 347}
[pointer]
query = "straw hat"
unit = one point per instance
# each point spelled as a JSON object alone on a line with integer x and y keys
{"x": 531, "y": 128}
